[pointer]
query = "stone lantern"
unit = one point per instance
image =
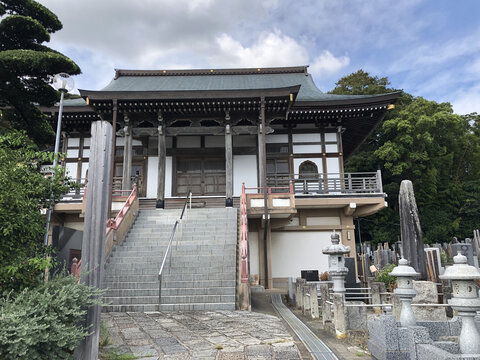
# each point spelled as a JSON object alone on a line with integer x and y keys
{"x": 465, "y": 300}
{"x": 336, "y": 262}
{"x": 405, "y": 275}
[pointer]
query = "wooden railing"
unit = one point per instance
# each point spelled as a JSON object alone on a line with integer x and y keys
{"x": 333, "y": 184}
{"x": 117, "y": 228}
{"x": 78, "y": 192}
{"x": 243, "y": 237}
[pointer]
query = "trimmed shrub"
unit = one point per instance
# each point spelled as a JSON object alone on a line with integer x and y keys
{"x": 45, "y": 322}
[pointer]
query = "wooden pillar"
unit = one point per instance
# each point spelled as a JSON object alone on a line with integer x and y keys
{"x": 228, "y": 165}
{"x": 93, "y": 242}
{"x": 127, "y": 155}
{"x": 114, "y": 144}
{"x": 162, "y": 159}
{"x": 266, "y": 216}
{"x": 261, "y": 156}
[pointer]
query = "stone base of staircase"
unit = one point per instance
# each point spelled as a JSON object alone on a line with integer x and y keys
{"x": 199, "y": 274}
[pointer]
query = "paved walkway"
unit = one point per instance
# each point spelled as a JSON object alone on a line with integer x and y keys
{"x": 220, "y": 335}
{"x": 316, "y": 346}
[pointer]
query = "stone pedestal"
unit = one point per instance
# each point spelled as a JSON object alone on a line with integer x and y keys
{"x": 465, "y": 300}
{"x": 405, "y": 291}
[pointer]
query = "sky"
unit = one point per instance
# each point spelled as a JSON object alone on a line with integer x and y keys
{"x": 428, "y": 48}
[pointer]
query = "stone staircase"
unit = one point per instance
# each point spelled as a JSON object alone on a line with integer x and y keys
{"x": 200, "y": 273}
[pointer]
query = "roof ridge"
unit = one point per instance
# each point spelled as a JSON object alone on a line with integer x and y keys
{"x": 234, "y": 71}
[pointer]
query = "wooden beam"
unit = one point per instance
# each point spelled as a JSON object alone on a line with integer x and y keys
{"x": 349, "y": 210}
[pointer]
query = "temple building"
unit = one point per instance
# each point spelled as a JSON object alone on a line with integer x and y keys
{"x": 210, "y": 131}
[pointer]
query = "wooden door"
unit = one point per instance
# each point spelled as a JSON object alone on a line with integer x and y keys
{"x": 202, "y": 176}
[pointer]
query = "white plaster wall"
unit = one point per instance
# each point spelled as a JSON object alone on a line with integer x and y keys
{"x": 244, "y": 170}
{"x": 253, "y": 253}
{"x": 84, "y": 169}
{"x": 152, "y": 176}
{"x": 71, "y": 169}
{"x": 333, "y": 166}
{"x": 330, "y": 136}
{"x": 306, "y": 138}
{"x": 307, "y": 149}
{"x": 168, "y": 177}
{"x": 293, "y": 251}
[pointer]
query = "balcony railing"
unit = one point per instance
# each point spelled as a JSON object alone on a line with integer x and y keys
{"x": 330, "y": 184}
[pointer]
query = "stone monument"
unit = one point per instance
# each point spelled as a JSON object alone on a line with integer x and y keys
{"x": 411, "y": 230}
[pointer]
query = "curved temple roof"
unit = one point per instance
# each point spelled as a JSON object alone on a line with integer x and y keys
{"x": 223, "y": 80}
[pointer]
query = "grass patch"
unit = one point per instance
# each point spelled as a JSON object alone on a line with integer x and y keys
{"x": 104, "y": 335}
{"x": 115, "y": 355}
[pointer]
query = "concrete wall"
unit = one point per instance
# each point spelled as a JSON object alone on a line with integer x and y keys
{"x": 253, "y": 252}
{"x": 244, "y": 170}
{"x": 293, "y": 251}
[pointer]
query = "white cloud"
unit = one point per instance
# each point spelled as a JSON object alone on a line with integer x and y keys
{"x": 327, "y": 64}
{"x": 467, "y": 101}
{"x": 270, "y": 49}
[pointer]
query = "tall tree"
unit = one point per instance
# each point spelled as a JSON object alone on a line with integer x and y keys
{"x": 24, "y": 191}
{"x": 26, "y": 64}
{"x": 425, "y": 142}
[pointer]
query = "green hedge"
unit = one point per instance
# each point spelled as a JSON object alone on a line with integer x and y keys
{"x": 45, "y": 322}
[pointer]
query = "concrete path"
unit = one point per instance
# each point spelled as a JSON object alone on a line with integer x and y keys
{"x": 220, "y": 335}
{"x": 316, "y": 346}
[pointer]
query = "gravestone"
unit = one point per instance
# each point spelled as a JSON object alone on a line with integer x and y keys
{"x": 93, "y": 244}
{"x": 410, "y": 229}
{"x": 351, "y": 277}
{"x": 309, "y": 275}
{"x": 465, "y": 249}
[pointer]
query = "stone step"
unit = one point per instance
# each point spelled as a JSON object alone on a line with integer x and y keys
{"x": 198, "y": 291}
{"x": 131, "y": 308}
{"x": 132, "y": 292}
{"x": 198, "y": 307}
{"x": 188, "y": 299}
{"x": 130, "y": 300}
{"x": 150, "y": 268}
{"x": 205, "y": 284}
{"x": 132, "y": 285}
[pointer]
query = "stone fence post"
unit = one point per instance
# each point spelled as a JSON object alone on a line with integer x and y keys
{"x": 326, "y": 309}
{"x": 299, "y": 292}
{"x": 313, "y": 301}
{"x": 339, "y": 319}
{"x": 306, "y": 298}
{"x": 376, "y": 289}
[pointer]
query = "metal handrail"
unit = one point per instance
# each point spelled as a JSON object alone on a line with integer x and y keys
{"x": 188, "y": 200}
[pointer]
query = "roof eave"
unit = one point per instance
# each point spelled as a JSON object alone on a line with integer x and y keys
{"x": 389, "y": 98}
{"x": 190, "y": 94}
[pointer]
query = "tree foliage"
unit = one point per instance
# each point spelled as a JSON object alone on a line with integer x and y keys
{"x": 425, "y": 142}
{"x": 24, "y": 191}
{"x": 25, "y": 66}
